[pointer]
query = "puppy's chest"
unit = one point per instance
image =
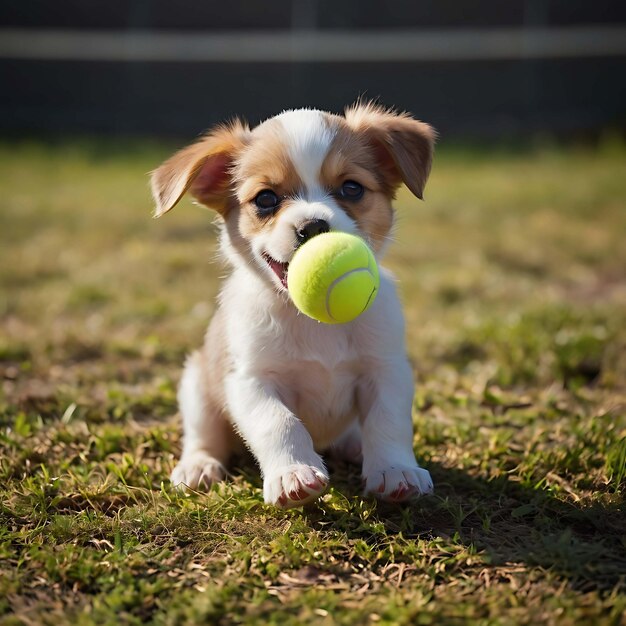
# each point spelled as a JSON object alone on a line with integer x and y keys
{"x": 317, "y": 375}
{"x": 324, "y": 399}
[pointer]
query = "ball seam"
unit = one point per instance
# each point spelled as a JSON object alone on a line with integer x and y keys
{"x": 339, "y": 279}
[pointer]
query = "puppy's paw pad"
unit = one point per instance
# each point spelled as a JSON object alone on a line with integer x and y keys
{"x": 294, "y": 486}
{"x": 399, "y": 484}
{"x": 197, "y": 471}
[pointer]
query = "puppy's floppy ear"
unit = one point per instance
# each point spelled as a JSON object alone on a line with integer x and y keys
{"x": 201, "y": 168}
{"x": 403, "y": 145}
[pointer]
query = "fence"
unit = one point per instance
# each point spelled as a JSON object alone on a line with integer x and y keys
{"x": 482, "y": 69}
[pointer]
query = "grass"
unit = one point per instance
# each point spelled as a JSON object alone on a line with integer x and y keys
{"x": 513, "y": 280}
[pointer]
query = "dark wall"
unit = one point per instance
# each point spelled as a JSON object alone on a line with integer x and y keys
{"x": 258, "y": 14}
{"x": 480, "y": 98}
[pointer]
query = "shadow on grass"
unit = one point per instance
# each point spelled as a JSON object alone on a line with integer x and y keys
{"x": 507, "y": 522}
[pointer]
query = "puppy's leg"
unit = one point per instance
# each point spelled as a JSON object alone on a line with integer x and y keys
{"x": 293, "y": 473}
{"x": 208, "y": 436}
{"x": 390, "y": 470}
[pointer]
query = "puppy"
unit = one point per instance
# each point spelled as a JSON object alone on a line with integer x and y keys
{"x": 287, "y": 387}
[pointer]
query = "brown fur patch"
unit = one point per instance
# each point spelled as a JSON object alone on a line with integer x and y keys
{"x": 265, "y": 164}
{"x": 403, "y": 146}
{"x": 350, "y": 157}
{"x": 201, "y": 168}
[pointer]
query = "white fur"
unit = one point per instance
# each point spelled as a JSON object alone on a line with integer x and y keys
{"x": 308, "y": 139}
{"x": 299, "y": 385}
{"x": 296, "y": 386}
{"x": 198, "y": 464}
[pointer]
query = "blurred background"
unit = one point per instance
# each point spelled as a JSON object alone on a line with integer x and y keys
{"x": 526, "y": 211}
{"x": 526, "y": 206}
{"x": 479, "y": 69}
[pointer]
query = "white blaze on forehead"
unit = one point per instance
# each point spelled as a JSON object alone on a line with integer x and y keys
{"x": 308, "y": 141}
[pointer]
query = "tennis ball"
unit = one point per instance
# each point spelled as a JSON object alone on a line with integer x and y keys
{"x": 333, "y": 277}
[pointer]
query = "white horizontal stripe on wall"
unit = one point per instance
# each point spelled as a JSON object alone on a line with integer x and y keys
{"x": 312, "y": 46}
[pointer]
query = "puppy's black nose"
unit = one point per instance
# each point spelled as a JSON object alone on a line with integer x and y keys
{"x": 310, "y": 229}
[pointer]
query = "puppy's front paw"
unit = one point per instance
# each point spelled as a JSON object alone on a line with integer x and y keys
{"x": 294, "y": 486}
{"x": 398, "y": 484}
{"x": 198, "y": 470}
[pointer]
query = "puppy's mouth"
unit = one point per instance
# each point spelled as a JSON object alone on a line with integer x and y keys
{"x": 279, "y": 268}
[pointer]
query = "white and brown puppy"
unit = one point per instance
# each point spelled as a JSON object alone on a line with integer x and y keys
{"x": 286, "y": 386}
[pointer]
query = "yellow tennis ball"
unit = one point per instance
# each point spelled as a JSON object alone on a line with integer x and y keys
{"x": 333, "y": 277}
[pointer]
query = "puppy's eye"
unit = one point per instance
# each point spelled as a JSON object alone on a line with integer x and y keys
{"x": 351, "y": 190}
{"x": 266, "y": 202}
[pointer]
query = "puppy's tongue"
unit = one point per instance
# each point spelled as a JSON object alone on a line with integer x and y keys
{"x": 280, "y": 269}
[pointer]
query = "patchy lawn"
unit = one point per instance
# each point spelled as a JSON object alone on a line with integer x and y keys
{"x": 513, "y": 275}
